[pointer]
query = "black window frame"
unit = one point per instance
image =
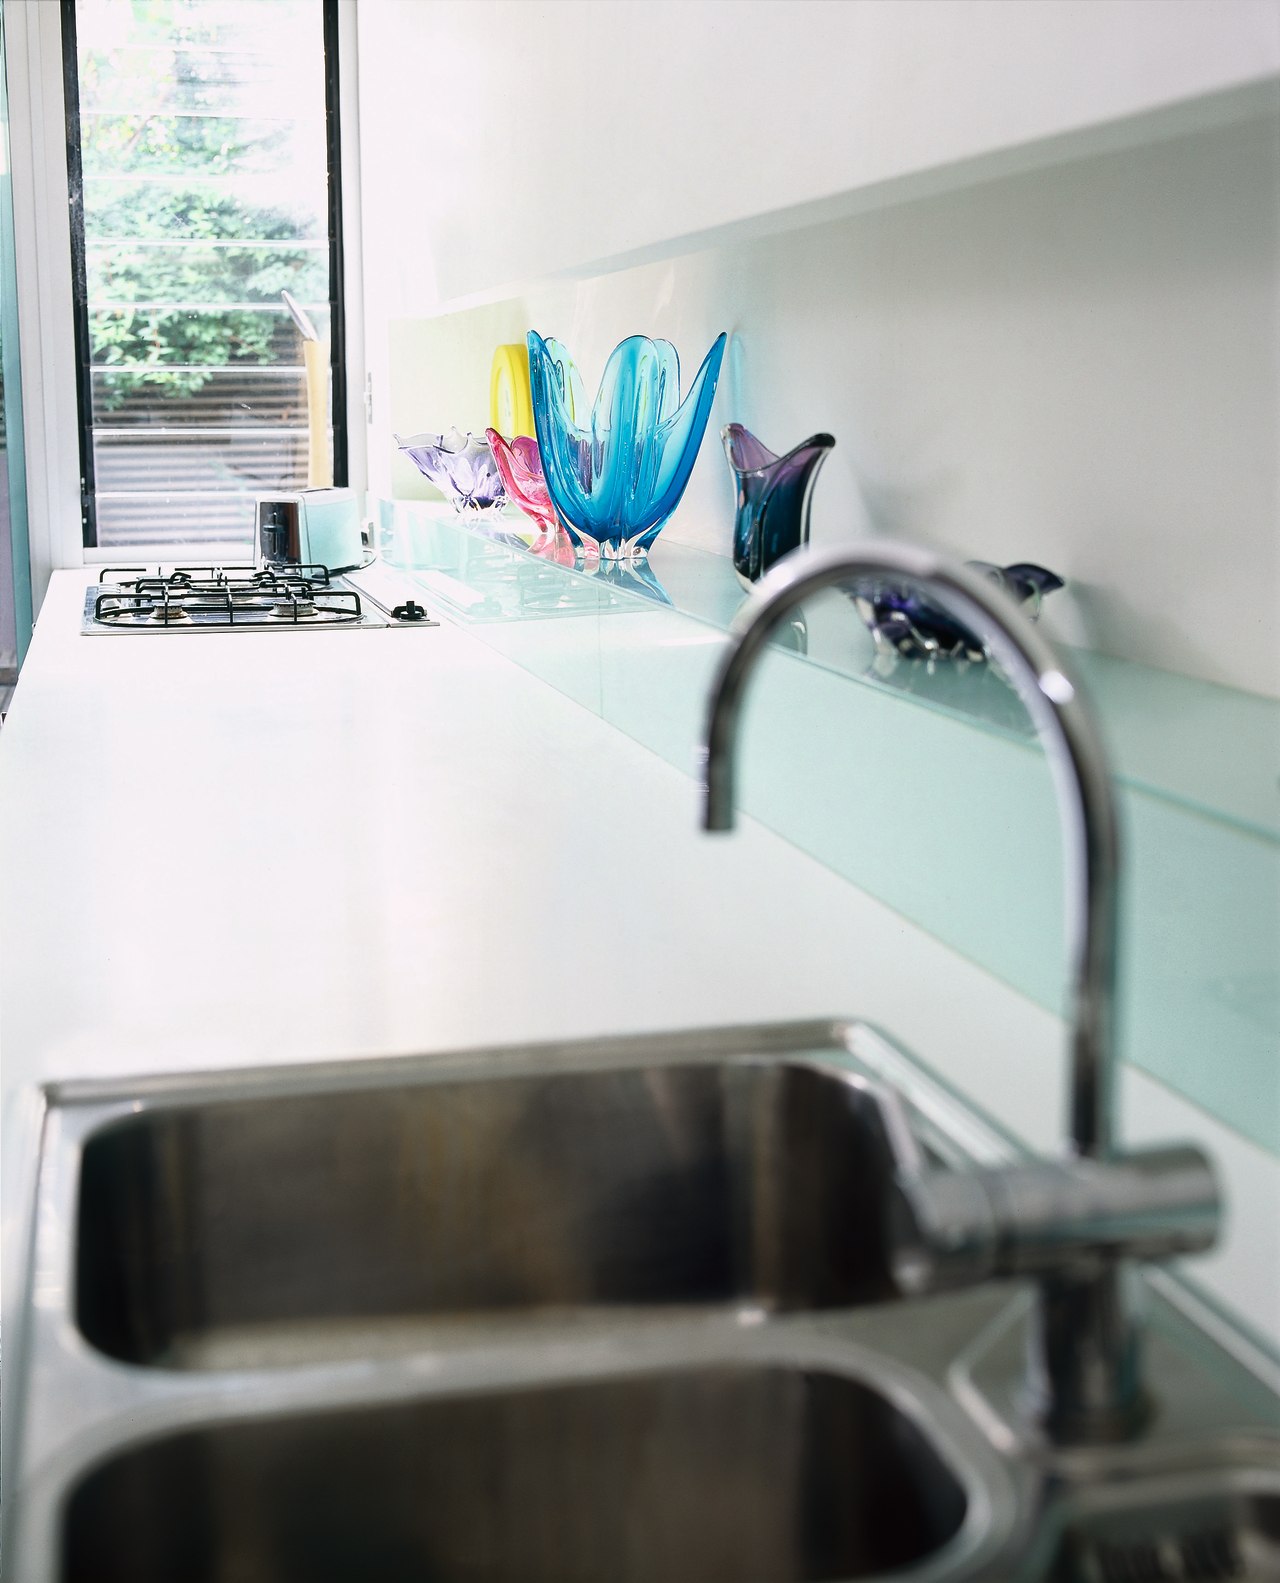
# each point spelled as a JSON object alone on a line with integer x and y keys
{"x": 79, "y": 268}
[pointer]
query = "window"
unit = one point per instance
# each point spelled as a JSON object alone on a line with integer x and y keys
{"x": 202, "y": 151}
{"x": 15, "y": 561}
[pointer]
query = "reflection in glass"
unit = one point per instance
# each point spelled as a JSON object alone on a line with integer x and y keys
{"x": 633, "y": 575}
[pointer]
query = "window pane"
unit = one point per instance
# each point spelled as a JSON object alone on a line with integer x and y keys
{"x": 130, "y": 461}
{"x": 141, "y": 339}
{"x": 137, "y": 523}
{"x": 228, "y": 398}
{"x": 186, "y": 205}
{"x": 205, "y": 194}
{"x": 137, "y": 145}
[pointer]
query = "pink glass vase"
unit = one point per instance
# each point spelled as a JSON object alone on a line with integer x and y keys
{"x": 520, "y": 468}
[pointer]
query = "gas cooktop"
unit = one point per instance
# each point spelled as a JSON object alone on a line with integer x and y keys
{"x": 237, "y": 599}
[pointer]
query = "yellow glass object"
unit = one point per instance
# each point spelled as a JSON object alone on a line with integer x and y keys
{"x": 510, "y": 396}
{"x": 315, "y": 361}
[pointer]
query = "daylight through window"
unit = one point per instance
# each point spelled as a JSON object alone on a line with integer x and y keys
{"x": 205, "y": 167}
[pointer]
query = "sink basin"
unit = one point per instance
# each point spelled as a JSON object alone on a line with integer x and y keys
{"x": 602, "y": 1310}
{"x": 303, "y": 1227}
{"x": 702, "y": 1475}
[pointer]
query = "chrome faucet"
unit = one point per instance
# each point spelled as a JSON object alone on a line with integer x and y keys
{"x": 1070, "y": 1223}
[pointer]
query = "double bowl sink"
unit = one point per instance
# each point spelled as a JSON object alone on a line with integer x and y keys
{"x": 615, "y": 1311}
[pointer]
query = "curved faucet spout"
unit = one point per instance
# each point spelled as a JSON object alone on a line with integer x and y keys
{"x": 1086, "y": 807}
{"x": 1070, "y": 1223}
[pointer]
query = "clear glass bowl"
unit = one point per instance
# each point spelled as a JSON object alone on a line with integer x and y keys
{"x": 461, "y": 466}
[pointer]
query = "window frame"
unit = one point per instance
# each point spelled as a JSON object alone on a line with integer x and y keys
{"x": 336, "y": 36}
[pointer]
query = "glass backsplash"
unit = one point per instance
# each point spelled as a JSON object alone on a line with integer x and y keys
{"x": 930, "y": 793}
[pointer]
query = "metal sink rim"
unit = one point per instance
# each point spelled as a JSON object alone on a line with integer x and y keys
{"x": 148, "y": 1409}
{"x": 38, "y": 1475}
{"x": 136, "y": 1404}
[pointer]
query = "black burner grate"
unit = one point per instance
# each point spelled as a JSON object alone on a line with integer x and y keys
{"x": 216, "y": 596}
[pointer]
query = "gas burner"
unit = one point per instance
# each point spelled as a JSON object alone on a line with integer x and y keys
{"x": 292, "y": 577}
{"x": 205, "y": 598}
{"x": 231, "y": 598}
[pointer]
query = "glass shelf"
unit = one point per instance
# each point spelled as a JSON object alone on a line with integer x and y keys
{"x": 1211, "y": 748}
{"x": 963, "y": 835}
{"x": 1214, "y": 749}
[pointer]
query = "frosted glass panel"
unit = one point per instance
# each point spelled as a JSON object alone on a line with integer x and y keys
{"x": 941, "y": 805}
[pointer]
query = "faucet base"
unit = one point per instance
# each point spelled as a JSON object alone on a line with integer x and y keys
{"x": 1084, "y": 1360}
{"x": 1076, "y": 1226}
{"x": 1169, "y": 1412}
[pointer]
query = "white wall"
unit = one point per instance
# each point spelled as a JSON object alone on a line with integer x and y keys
{"x": 1076, "y": 365}
{"x": 1079, "y": 365}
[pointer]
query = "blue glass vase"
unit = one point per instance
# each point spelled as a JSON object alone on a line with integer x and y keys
{"x": 616, "y": 470}
{"x": 773, "y": 498}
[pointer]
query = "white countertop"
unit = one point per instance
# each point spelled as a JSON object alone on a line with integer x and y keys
{"x": 221, "y": 850}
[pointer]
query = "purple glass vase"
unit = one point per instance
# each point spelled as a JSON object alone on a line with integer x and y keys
{"x": 773, "y": 498}
{"x": 461, "y": 466}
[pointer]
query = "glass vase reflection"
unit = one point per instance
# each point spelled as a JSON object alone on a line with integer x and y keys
{"x": 774, "y": 494}
{"x": 615, "y": 470}
{"x": 906, "y": 624}
{"x": 630, "y": 576}
{"x": 461, "y": 466}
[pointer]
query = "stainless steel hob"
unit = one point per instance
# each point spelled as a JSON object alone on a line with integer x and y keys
{"x": 236, "y": 598}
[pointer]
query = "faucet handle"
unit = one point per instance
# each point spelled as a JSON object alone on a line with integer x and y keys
{"x": 1070, "y": 1224}
{"x": 1051, "y": 1218}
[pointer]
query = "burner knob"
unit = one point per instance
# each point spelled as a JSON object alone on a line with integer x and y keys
{"x": 409, "y": 611}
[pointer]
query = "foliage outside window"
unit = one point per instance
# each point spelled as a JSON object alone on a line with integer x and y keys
{"x": 205, "y": 194}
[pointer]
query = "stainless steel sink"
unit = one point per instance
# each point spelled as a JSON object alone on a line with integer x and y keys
{"x": 700, "y": 1475}
{"x": 1209, "y": 1524}
{"x": 276, "y": 1229}
{"x": 602, "y": 1311}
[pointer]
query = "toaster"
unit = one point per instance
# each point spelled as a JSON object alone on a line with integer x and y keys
{"x": 311, "y": 527}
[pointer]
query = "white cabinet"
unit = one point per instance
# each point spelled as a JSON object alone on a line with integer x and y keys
{"x": 1022, "y": 259}
{"x": 506, "y": 141}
